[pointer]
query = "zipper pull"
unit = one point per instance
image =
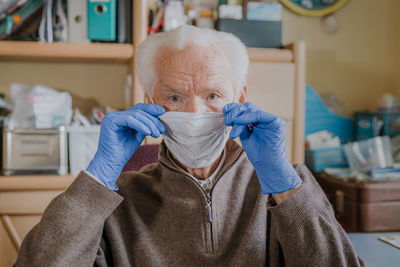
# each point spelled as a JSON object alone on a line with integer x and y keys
{"x": 210, "y": 217}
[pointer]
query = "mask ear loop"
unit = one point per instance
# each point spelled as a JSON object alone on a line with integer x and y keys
{"x": 151, "y": 99}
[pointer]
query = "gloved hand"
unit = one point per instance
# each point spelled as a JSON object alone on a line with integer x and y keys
{"x": 263, "y": 138}
{"x": 121, "y": 134}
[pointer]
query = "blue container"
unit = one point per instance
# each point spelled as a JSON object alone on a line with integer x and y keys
{"x": 368, "y": 125}
{"x": 391, "y": 124}
{"x": 319, "y": 159}
{"x": 372, "y": 124}
{"x": 102, "y": 22}
{"x": 319, "y": 117}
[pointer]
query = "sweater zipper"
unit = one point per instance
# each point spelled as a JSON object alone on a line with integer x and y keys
{"x": 208, "y": 195}
{"x": 209, "y": 201}
{"x": 210, "y": 219}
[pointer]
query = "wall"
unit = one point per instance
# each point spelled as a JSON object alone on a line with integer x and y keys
{"x": 360, "y": 61}
{"x": 396, "y": 57}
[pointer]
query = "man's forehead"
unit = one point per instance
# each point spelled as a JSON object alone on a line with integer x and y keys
{"x": 191, "y": 57}
{"x": 205, "y": 83}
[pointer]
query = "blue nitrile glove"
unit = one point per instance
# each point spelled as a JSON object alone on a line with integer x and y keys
{"x": 263, "y": 138}
{"x": 121, "y": 134}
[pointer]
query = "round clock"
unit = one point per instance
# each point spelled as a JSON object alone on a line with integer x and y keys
{"x": 313, "y": 7}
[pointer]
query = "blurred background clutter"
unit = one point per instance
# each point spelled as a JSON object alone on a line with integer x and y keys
{"x": 356, "y": 161}
{"x": 66, "y": 21}
{"x": 330, "y": 68}
{"x": 52, "y": 127}
{"x": 256, "y": 23}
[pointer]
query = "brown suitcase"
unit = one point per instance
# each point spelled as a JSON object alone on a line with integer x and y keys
{"x": 363, "y": 206}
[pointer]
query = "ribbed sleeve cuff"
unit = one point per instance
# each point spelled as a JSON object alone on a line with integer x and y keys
{"x": 88, "y": 194}
{"x": 307, "y": 202}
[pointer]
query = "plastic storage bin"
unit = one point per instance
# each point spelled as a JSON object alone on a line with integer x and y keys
{"x": 319, "y": 117}
{"x": 319, "y": 159}
{"x": 391, "y": 124}
{"x": 369, "y": 154}
{"x": 372, "y": 124}
{"x": 82, "y": 144}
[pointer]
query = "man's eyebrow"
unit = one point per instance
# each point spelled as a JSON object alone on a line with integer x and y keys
{"x": 172, "y": 90}
{"x": 212, "y": 89}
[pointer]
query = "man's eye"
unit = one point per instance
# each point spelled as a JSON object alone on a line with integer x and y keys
{"x": 173, "y": 98}
{"x": 213, "y": 97}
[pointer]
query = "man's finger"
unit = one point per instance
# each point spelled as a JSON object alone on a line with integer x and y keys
{"x": 155, "y": 120}
{"x": 229, "y": 107}
{"x": 139, "y": 137}
{"x": 237, "y": 130}
{"x": 155, "y": 110}
{"x": 233, "y": 113}
{"x": 132, "y": 123}
{"x": 254, "y": 117}
{"x": 149, "y": 123}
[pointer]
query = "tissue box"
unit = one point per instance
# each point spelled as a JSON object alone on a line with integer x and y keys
{"x": 319, "y": 159}
{"x": 82, "y": 144}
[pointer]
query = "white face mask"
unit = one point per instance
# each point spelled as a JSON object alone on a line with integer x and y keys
{"x": 195, "y": 139}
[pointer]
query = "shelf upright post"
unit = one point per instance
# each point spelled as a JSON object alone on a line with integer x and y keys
{"x": 139, "y": 34}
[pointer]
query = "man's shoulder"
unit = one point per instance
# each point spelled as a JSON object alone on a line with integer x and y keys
{"x": 133, "y": 180}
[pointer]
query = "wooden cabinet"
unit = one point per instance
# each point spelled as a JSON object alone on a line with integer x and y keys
{"x": 13, "y": 229}
{"x": 22, "y": 202}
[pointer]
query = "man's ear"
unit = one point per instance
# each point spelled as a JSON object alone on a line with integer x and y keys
{"x": 243, "y": 95}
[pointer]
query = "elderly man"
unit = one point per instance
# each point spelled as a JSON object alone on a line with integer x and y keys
{"x": 205, "y": 202}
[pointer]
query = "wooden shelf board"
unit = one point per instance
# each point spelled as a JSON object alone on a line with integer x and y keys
{"x": 270, "y": 55}
{"x": 103, "y": 52}
{"x": 35, "y": 182}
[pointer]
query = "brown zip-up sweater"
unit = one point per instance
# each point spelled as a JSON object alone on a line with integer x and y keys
{"x": 161, "y": 217}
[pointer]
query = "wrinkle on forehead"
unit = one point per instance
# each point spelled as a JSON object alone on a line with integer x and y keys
{"x": 192, "y": 62}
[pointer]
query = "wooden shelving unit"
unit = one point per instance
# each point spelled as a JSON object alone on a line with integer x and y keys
{"x": 82, "y": 53}
{"x": 99, "y": 52}
{"x": 35, "y": 182}
{"x": 105, "y": 52}
{"x": 70, "y": 52}
{"x": 270, "y": 55}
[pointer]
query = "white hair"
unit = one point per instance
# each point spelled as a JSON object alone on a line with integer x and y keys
{"x": 183, "y": 36}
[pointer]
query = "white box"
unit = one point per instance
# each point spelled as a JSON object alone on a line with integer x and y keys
{"x": 82, "y": 144}
{"x": 230, "y": 12}
{"x": 264, "y": 11}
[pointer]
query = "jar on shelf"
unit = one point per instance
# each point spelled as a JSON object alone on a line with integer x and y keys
{"x": 205, "y": 19}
